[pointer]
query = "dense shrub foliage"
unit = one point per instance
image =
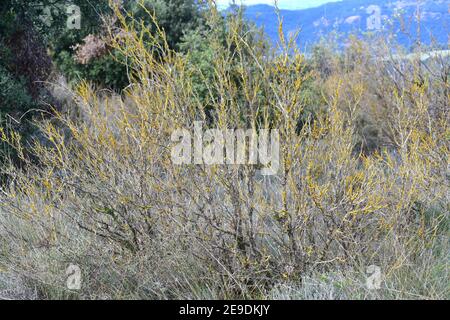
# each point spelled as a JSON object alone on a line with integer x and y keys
{"x": 363, "y": 180}
{"x": 31, "y": 30}
{"x": 24, "y": 63}
{"x": 108, "y": 67}
{"x": 24, "y": 68}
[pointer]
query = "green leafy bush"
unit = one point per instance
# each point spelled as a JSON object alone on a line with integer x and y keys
{"x": 13, "y": 92}
{"x": 108, "y": 69}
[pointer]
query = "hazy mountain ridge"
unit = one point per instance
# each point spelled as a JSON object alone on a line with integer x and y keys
{"x": 357, "y": 16}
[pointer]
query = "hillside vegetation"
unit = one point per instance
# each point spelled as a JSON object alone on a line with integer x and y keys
{"x": 404, "y": 22}
{"x": 364, "y": 176}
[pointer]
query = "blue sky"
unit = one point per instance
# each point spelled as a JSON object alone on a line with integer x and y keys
{"x": 283, "y": 4}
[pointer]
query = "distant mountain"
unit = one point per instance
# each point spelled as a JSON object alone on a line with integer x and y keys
{"x": 360, "y": 17}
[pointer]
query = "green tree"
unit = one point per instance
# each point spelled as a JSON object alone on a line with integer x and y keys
{"x": 175, "y": 17}
{"x": 24, "y": 64}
